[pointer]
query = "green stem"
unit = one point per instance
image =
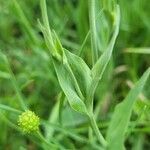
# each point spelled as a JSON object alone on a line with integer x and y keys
{"x": 50, "y": 145}
{"x": 97, "y": 131}
{"x": 45, "y": 19}
{"x": 92, "y": 19}
{"x": 47, "y": 31}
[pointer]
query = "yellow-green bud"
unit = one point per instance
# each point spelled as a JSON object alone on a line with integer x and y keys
{"x": 29, "y": 122}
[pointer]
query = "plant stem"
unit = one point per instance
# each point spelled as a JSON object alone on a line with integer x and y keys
{"x": 50, "y": 145}
{"x": 92, "y": 19}
{"x": 45, "y": 18}
{"x": 97, "y": 131}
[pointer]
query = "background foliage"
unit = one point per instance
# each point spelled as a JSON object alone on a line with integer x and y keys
{"x": 22, "y": 41}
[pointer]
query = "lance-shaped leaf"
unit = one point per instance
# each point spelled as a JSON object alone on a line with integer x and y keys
{"x": 122, "y": 114}
{"x": 74, "y": 78}
{"x": 70, "y": 69}
{"x": 66, "y": 77}
{"x": 81, "y": 71}
{"x": 76, "y": 71}
{"x": 99, "y": 68}
{"x": 67, "y": 84}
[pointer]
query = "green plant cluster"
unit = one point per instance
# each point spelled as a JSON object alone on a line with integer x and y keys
{"x": 29, "y": 122}
{"x": 82, "y": 66}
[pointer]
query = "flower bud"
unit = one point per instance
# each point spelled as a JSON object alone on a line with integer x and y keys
{"x": 29, "y": 122}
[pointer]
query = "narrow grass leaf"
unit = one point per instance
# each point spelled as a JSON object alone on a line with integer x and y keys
{"x": 7, "y": 108}
{"x": 14, "y": 83}
{"x": 25, "y": 23}
{"x": 4, "y": 75}
{"x": 64, "y": 130}
{"x": 140, "y": 50}
{"x": 122, "y": 114}
{"x": 49, "y": 131}
{"x": 9, "y": 122}
{"x": 99, "y": 68}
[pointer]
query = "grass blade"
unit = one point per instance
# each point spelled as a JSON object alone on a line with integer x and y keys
{"x": 7, "y": 108}
{"x": 138, "y": 50}
{"x": 99, "y": 67}
{"x": 14, "y": 83}
{"x": 4, "y": 75}
{"x": 25, "y": 23}
{"x": 122, "y": 114}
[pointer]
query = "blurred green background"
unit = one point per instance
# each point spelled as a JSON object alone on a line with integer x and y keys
{"x": 22, "y": 41}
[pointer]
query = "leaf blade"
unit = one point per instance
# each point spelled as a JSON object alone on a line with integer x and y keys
{"x": 99, "y": 68}
{"x": 68, "y": 88}
{"x": 81, "y": 71}
{"x": 121, "y": 116}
